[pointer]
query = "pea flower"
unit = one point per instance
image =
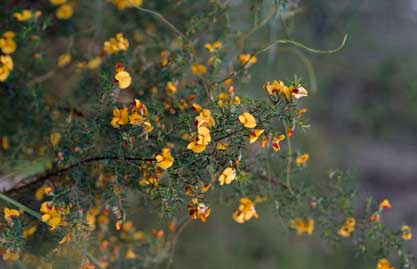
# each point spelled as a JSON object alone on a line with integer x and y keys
{"x": 198, "y": 69}
{"x": 63, "y": 60}
{"x": 6, "y": 66}
{"x": 10, "y": 213}
{"x": 254, "y": 135}
{"x": 227, "y": 176}
{"x": 57, "y": 2}
{"x": 247, "y": 59}
{"x": 222, "y": 146}
{"x": 245, "y": 211}
{"x": 171, "y": 88}
{"x": 164, "y": 57}
{"x": 120, "y": 117}
{"x": 384, "y": 264}
{"x": 203, "y": 139}
{"x": 198, "y": 210}
{"x": 7, "y": 43}
{"x": 122, "y": 77}
{"x": 164, "y": 160}
{"x": 51, "y": 215}
{"x": 348, "y": 227}
{"x": 247, "y": 120}
{"x": 205, "y": 119}
{"x": 122, "y": 4}
{"x": 24, "y": 15}
{"x": 212, "y": 47}
{"x": 64, "y": 12}
{"x": 302, "y": 226}
{"x": 406, "y": 232}
{"x": 302, "y": 159}
{"x": 385, "y": 204}
{"x": 9, "y": 255}
{"x": 276, "y": 87}
{"x": 55, "y": 138}
{"x": 275, "y": 142}
{"x": 116, "y": 44}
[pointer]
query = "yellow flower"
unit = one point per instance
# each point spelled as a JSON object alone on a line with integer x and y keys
{"x": 384, "y": 264}
{"x": 227, "y": 176}
{"x": 122, "y": 4}
{"x": 348, "y": 227}
{"x": 94, "y": 63}
{"x": 130, "y": 254}
{"x": 10, "y": 213}
{"x": 25, "y": 15}
{"x": 205, "y": 119}
{"x": 10, "y": 255}
{"x": 7, "y": 43}
{"x": 116, "y": 44}
{"x": 42, "y": 191}
{"x": 302, "y": 226}
{"x": 222, "y": 146}
{"x": 135, "y": 118}
{"x": 247, "y": 59}
{"x": 6, "y": 66}
{"x": 385, "y": 204}
{"x": 298, "y": 92}
{"x": 344, "y": 231}
{"x": 57, "y": 2}
{"x": 55, "y": 138}
{"x": 123, "y": 78}
{"x": 247, "y": 120}
{"x": 223, "y": 99}
{"x": 120, "y": 117}
{"x": 198, "y": 69}
{"x": 245, "y": 212}
{"x": 212, "y": 47}
{"x": 302, "y": 159}
{"x": 64, "y": 59}
{"x": 275, "y": 142}
{"x": 27, "y": 232}
{"x": 203, "y": 139}
{"x": 5, "y": 143}
{"x": 164, "y": 57}
{"x": 198, "y": 210}
{"x": 64, "y": 12}
{"x": 171, "y": 88}
{"x": 406, "y": 232}
{"x": 164, "y": 160}
{"x": 254, "y": 135}
{"x": 51, "y": 215}
{"x": 276, "y": 87}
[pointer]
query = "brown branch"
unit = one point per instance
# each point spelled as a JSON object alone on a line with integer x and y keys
{"x": 58, "y": 171}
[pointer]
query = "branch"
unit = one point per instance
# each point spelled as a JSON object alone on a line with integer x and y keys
{"x": 55, "y": 172}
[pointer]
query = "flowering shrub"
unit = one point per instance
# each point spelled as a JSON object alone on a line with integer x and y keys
{"x": 154, "y": 112}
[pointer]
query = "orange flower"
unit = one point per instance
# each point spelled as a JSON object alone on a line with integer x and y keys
{"x": 245, "y": 212}
{"x": 254, "y": 135}
{"x": 302, "y": 159}
{"x": 165, "y": 159}
{"x": 247, "y": 120}
{"x": 385, "y": 204}
{"x": 227, "y": 176}
{"x": 198, "y": 210}
{"x": 275, "y": 142}
{"x": 247, "y": 59}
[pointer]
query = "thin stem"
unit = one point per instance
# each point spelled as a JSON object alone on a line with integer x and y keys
{"x": 278, "y": 42}
{"x": 289, "y": 162}
{"x": 93, "y": 260}
{"x": 159, "y": 16}
{"x": 20, "y": 206}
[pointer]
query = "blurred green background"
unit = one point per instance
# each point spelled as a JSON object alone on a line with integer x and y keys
{"x": 363, "y": 114}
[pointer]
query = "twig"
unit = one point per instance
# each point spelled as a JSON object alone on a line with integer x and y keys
{"x": 56, "y": 172}
{"x": 159, "y": 16}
